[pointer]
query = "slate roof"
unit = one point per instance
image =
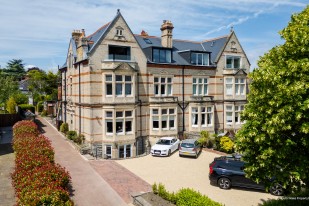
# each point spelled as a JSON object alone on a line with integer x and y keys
{"x": 23, "y": 85}
{"x": 213, "y": 46}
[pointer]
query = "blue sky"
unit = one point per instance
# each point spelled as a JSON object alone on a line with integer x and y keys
{"x": 38, "y": 31}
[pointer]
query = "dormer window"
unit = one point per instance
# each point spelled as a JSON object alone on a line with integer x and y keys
{"x": 161, "y": 55}
{"x": 119, "y": 31}
{"x": 200, "y": 59}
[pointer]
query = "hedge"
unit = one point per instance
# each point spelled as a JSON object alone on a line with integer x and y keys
{"x": 26, "y": 107}
{"x": 36, "y": 178}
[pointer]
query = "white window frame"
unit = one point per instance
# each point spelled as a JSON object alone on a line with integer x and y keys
{"x": 240, "y": 86}
{"x": 198, "y": 112}
{"x": 200, "y": 84}
{"x": 238, "y": 110}
{"x": 233, "y": 112}
{"x": 232, "y": 57}
{"x": 124, "y": 83}
{"x": 114, "y": 118}
{"x": 230, "y": 85}
{"x": 167, "y": 114}
{"x": 229, "y": 113}
{"x": 160, "y": 81}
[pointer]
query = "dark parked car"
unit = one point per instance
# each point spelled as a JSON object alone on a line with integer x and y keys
{"x": 228, "y": 171}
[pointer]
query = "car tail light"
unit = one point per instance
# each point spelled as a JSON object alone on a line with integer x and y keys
{"x": 211, "y": 167}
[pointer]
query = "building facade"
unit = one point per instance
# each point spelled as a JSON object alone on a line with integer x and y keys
{"x": 122, "y": 91}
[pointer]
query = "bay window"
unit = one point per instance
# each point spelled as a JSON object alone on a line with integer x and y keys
{"x": 232, "y": 113}
{"x": 123, "y": 122}
{"x": 240, "y": 86}
{"x": 229, "y": 86}
{"x": 163, "y": 118}
{"x": 201, "y": 116}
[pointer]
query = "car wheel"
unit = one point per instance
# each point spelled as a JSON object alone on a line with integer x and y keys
{"x": 224, "y": 183}
{"x": 276, "y": 190}
{"x": 169, "y": 153}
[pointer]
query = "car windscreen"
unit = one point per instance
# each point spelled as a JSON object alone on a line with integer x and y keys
{"x": 164, "y": 142}
{"x": 187, "y": 145}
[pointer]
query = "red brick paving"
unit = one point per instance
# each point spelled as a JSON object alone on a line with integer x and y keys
{"x": 120, "y": 179}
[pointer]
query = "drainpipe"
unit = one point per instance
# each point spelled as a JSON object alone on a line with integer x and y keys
{"x": 140, "y": 111}
{"x": 183, "y": 100}
{"x": 65, "y": 96}
{"x": 79, "y": 98}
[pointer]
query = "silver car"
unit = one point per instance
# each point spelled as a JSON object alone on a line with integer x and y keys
{"x": 189, "y": 147}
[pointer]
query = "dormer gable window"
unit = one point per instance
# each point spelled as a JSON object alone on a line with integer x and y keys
{"x": 119, "y": 31}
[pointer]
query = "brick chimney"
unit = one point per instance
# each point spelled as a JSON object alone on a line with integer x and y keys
{"x": 167, "y": 34}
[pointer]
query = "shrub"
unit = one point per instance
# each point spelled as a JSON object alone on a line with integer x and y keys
{"x": 184, "y": 197}
{"x": 155, "y": 188}
{"x": 64, "y": 128}
{"x": 188, "y": 197}
{"x": 204, "y": 138}
{"x": 71, "y": 135}
{"x": 40, "y": 106}
{"x": 79, "y": 139}
{"x": 226, "y": 144}
{"x": 10, "y": 106}
{"x": 26, "y": 107}
{"x": 44, "y": 113}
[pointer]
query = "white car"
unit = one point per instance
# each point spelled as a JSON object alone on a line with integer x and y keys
{"x": 165, "y": 146}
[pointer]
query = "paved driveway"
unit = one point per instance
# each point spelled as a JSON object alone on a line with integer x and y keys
{"x": 176, "y": 173}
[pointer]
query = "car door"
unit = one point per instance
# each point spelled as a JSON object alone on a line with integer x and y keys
{"x": 174, "y": 146}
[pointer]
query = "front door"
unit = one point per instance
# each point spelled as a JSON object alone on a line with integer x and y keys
{"x": 125, "y": 151}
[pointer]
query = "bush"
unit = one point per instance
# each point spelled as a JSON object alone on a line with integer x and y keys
{"x": 37, "y": 179}
{"x": 44, "y": 113}
{"x": 79, "y": 139}
{"x": 71, "y": 135}
{"x": 184, "y": 197}
{"x": 64, "y": 128}
{"x": 40, "y": 106}
{"x": 11, "y": 106}
{"x": 26, "y": 107}
{"x": 226, "y": 144}
{"x": 188, "y": 197}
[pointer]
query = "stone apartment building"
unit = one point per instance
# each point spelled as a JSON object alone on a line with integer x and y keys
{"x": 122, "y": 90}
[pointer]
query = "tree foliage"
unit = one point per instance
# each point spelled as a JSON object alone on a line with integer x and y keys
{"x": 42, "y": 85}
{"x": 275, "y": 137}
{"x": 15, "y": 68}
{"x": 9, "y": 86}
{"x": 11, "y": 106}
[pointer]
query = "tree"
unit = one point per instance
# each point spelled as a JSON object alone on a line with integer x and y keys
{"x": 275, "y": 136}
{"x": 42, "y": 85}
{"x": 11, "y": 106}
{"x": 8, "y": 87}
{"x": 15, "y": 68}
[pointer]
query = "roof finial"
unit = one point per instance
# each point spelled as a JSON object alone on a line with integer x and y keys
{"x": 232, "y": 28}
{"x": 118, "y": 11}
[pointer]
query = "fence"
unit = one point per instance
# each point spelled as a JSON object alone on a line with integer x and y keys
{"x": 7, "y": 120}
